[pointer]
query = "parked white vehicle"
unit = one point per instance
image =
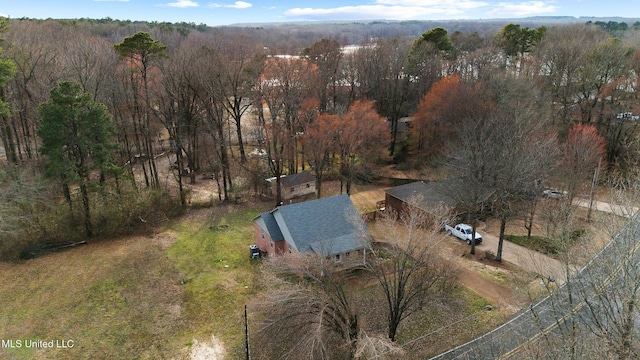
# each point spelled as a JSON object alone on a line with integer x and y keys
{"x": 554, "y": 193}
{"x": 463, "y": 232}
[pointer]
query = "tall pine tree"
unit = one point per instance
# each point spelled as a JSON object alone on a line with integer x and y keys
{"x": 76, "y": 134}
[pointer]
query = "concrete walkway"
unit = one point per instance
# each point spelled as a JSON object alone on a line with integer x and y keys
{"x": 620, "y": 210}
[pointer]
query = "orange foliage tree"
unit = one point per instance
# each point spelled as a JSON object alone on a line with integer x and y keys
{"x": 318, "y": 142}
{"x": 583, "y": 153}
{"x": 361, "y": 138}
{"x": 356, "y": 138}
{"x": 448, "y": 102}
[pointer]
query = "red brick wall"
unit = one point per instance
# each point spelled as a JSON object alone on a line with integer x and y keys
{"x": 262, "y": 239}
{"x": 264, "y": 242}
{"x": 280, "y": 247}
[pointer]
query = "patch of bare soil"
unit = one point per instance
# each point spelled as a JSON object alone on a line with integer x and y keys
{"x": 165, "y": 240}
{"x": 210, "y": 350}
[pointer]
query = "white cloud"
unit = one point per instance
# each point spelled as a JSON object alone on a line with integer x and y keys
{"x": 236, "y": 5}
{"x": 241, "y": 5}
{"x": 183, "y": 4}
{"x": 466, "y": 4}
{"x": 523, "y": 9}
{"x": 393, "y": 10}
{"x": 420, "y": 9}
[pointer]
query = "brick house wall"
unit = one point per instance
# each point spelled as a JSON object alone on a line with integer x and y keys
{"x": 263, "y": 240}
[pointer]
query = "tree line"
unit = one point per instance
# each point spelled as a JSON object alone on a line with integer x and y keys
{"x": 198, "y": 98}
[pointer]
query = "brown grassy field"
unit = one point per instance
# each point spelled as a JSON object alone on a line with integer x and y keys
{"x": 111, "y": 299}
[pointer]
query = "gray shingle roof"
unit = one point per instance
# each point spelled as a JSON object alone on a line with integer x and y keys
{"x": 297, "y": 179}
{"x": 327, "y": 226}
{"x": 268, "y": 223}
{"x": 432, "y": 193}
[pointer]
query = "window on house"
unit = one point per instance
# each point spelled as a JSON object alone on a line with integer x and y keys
{"x": 338, "y": 258}
{"x": 289, "y": 250}
{"x": 271, "y": 243}
{"x": 308, "y": 185}
{"x": 293, "y": 189}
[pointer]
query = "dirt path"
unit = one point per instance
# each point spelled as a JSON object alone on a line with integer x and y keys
{"x": 493, "y": 281}
{"x": 501, "y": 296}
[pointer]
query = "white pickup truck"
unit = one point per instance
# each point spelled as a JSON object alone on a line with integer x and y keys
{"x": 463, "y": 232}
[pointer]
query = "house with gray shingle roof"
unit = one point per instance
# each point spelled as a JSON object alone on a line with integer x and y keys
{"x": 294, "y": 185}
{"x": 330, "y": 227}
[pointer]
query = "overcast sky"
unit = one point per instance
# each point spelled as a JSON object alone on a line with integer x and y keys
{"x": 225, "y": 12}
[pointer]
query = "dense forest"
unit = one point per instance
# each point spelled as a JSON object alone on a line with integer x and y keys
{"x": 104, "y": 122}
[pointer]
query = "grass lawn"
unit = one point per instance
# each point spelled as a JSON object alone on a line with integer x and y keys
{"x": 213, "y": 258}
{"x": 132, "y": 298}
{"x": 546, "y": 245}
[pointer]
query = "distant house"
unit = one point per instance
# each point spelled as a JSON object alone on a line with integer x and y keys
{"x": 294, "y": 185}
{"x": 404, "y": 128}
{"x": 425, "y": 197}
{"x": 331, "y": 227}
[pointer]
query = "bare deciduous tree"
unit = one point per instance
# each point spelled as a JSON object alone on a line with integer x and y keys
{"x": 405, "y": 262}
{"x": 178, "y": 111}
{"x": 597, "y": 310}
{"x": 284, "y": 86}
{"x": 26, "y": 198}
{"x": 562, "y": 52}
{"x": 473, "y": 168}
{"x": 326, "y": 55}
{"x": 307, "y": 306}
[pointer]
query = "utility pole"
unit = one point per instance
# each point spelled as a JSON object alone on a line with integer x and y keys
{"x": 246, "y": 333}
{"x": 596, "y": 173}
